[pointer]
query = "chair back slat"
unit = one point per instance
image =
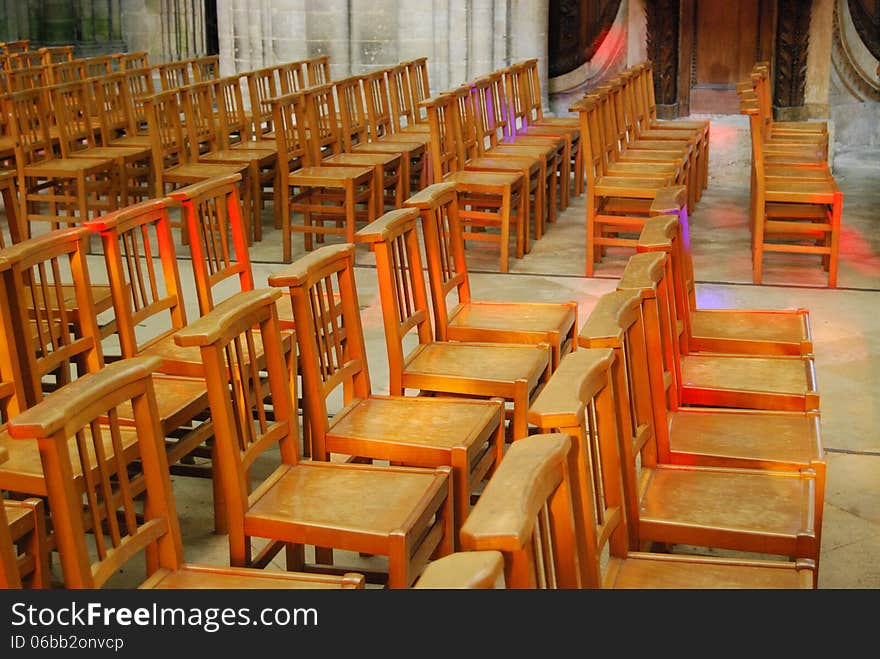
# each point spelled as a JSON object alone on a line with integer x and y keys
{"x": 205, "y": 68}
{"x": 233, "y": 117}
{"x": 417, "y": 70}
{"x": 318, "y": 70}
{"x": 377, "y": 102}
{"x": 140, "y": 85}
{"x": 173, "y": 75}
{"x": 262, "y": 86}
{"x": 352, "y": 111}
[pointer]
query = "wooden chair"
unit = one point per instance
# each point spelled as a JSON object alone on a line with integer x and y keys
{"x": 745, "y": 331}
{"x": 292, "y": 77}
{"x": 465, "y": 435}
{"x": 60, "y": 72}
{"x": 532, "y": 166}
{"x": 535, "y": 117}
{"x": 721, "y": 380}
{"x": 116, "y": 125}
{"x": 77, "y": 139}
{"x": 615, "y": 204}
{"x": 356, "y": 137}
{"x": 322, "y": 194}
{"x": 173, "y": 75}
{"x": 512, "y": 372}
{"x": 54, "y": 54}
{"x": 173, "y": 165}
{"x": 141, "y": 84}
{"x": 495, "y": 200}
{"x": 399, "y": 512}
{"x": 581, "y": 402}
{"x": 79, "y": 504}
{"x": 262, "y": 86}
{"x": 464, "y": 570}
{"x": 404, "y": 112}
{"x": 17, "y": 46}
{"x": 135, "y": 60}
{"x": 480, "y": 320}
{"x": 203, "y": 134}
{"x": 318, "y": 112}
{"x": 204, "y": 68}
{"x": 58, "y": 190}
{"x": 317, "y": 70}
{"x": 647, "y": 104}
{"x": 702, "y": 437}
{"x": 97, "y": 66}
{"x": 795, "y": 209}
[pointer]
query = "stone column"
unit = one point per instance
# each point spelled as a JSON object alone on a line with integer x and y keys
{"x": 818, "y": 83}
{"x": 637, "y": 33}
{"x": 326, "y": 32}
{"x": 528, "y": 36}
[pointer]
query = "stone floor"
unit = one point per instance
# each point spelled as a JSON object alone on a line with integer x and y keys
{"x": 844, "y": 323}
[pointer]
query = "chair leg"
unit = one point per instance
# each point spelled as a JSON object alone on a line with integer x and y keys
{"x": 591, "y": 233}
{"x": 836, "y": 213}
{"x": 504, "y": 216}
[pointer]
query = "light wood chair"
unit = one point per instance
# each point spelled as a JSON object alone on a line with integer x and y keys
{"x": 77, "y": 133}
{"x": 173, "y": 165}
{"x": 318, "y": 111}
{"x": 204, "y": 68}
{"x": 57, "y": 190}
{"x": 465, "y": 435}
{"x": 794, "y": 209}
{"x": 404, "y": 112}
{"x": 380, "y": 118}
{"x": 480, "y": 320}
{"x": 16, "y": 46}
{"x": 317, "y": 70}
{"x": 292, "y": 77}
{"x": 488, "y": 200}
{"x": 464, "y": 570}
{"x": 175, "y": 74}
{"x": 356, "y": 136}
{"x": 203, "y": 133}
{"x": 53, "y": 54}
{"x": 151, "y": 529}
{"x": 136, "y": 60}
{"x": 512, "y": 372}
{"x": 262, "y": 85}
{"x": 402, "y": 513}
{"x": 722, "y": 380}
{"x": 141, "y": 84}
{"x": 97, "y": 66}
{"x": 731, "y": 330}
{"x": 581, "y": 402}
{"x": 701, "y": 436}
{"x": 323, "y": 195}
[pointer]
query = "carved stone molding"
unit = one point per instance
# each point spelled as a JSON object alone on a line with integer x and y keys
{"x": 792, "y": 42}
{"x": 853, "y": 60}
{"x": 865, "y": 16}
{"x": 577, "y": 29}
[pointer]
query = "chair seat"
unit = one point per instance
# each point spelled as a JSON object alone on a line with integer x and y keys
{"x": 412, "y": 149}
{"x": 804, "y": 192}
{"x": 524, "y": 319}
{"x": 362, "y": 159}
{"x": 651, "y": 156}
{"x": 777, "y": 506}
{"x": 225, "y": 156}
{"x": 668, "y": 170}
{"x": 735, "y": 330}
{"x": 67, "y": 167}
{"x": 679, "y": 124}
{"x": 661, "y": 145}
{"x": 807, "y": 126}
{"x": 126, "y": 153}
{"x": 328, "y": 176}
{"x": 629, "y": 186}
{"x": 131, "y": 140}
{"x": 458, "y": 367}
{"x": 196, "y": 577}
{"x": 783, "y": 383}
{"x": 199, "y": 171}
{"x": 429, "y": 426}
{"x": 344, "y": 506}
{"x": 743, "y": 439}
{"x": 793, "y": 172}
{"x": 482, "y": 181}
{"x": 667, "y": 134}
{"x": 546, "y": 147}
{"x": 644, "y": 570}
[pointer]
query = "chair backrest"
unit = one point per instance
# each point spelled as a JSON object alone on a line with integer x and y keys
{"x": 403, "y": 111}
{"x": 99, "y": 65}
{"x": 500, "y": 103}
{"x": 205, "y": 68}
{"x": 292, "y": 77}
{"x": 90, "y": 488}
{"x": 217, "y": 237}
{"x": 579, "y": 400}
{"x": 140, "y": 85}
{"x": 28, "y": 113}
{"x": 591, "y": 141}
{"x": 65, "y": 71}
{"x": 329, "y": 332}
{"x": 136, "y": 60}
{"x": 289, "y": 139}
{"x": 468, "y": 144}
{"x": 444, "y": 135}
{"x": 76, "y": 128}
{"x": 111, "y": 94}
{"x": 417, "y": 70}
{"x": 444, "y": 251}
{"x": 531, "y": 83}
{"x": 25, "y": 60}
{"x": 317, "y": 70}
{"x": 485, "y": 113}
{"x": 529, "y": 512}
{"x": 378, "y": 104}
{"x": 322, "y": 122}
{"x": 405, "y": 307}
{"x": 32, "y": 77}
{"x": 175, "y": 74}
{"x": 352, "y": 111}
{"x": 17, "y": 46}
{"x": 9, "y": 575}
{"x": 200, "y": 125}
{"x": 165, "y": 126}
{"x": 514, "y": 83}
{"x": 241, "y": 384}
{"x": 56, "y": 334}
{"x": 262, "y": 86}
{"x": 134, "y": 238}
{"x": 235, "y": 123}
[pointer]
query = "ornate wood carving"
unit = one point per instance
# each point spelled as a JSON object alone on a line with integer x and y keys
{"x": 792, "y": 41}
{"x": 866, "y": 17}
{"x": 662, "y": 46}
{"x": 577, "y": 29}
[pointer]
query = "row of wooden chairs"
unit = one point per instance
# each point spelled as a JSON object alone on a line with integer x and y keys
{"x": 632, "y": 470}
{"x": 631, "y": 157}
{"x": 795, "y": 203}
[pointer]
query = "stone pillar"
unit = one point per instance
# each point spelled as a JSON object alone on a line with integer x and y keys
{"x": 528, "y": 35}
{"x": 326, "y": 32}
{"x": 419, "y": 36}
{"x": 818, "y": 82}
{"x": 637, "y": 33}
